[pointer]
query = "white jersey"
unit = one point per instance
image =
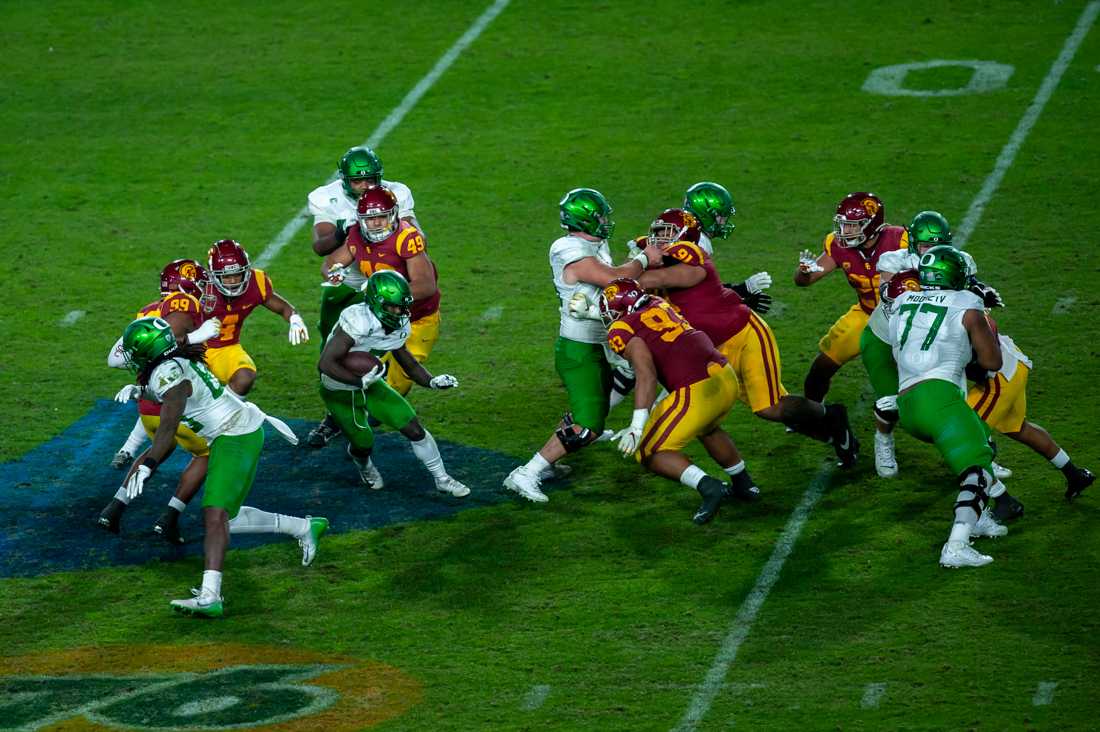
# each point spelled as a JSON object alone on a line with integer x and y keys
{"x": 564, "y": 252}
{"x": 211, "y": 410}
{"x": 1011, "y": 357}
{"x": 329, "y": 204}
{"x": 364, "y": 328}
{"x": 928, "y": 336}
{"x": 706, "y": 245}
{"x": 891, "y": 263}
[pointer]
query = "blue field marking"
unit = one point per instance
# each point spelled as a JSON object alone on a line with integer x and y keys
{"x": 51, "y": 497}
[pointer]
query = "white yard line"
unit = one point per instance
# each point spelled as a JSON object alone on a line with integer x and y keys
{"x": 872, "y": 695}
{"x": 72, "y": 317}
{"x": 1063, "y": 305}
{"x": 391, "y": 121}
{"x": 742, "y": 623}
{"x": 1044, "y": 694}
{"x": 536, "y": 697}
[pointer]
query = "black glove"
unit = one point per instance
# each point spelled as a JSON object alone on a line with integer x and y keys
{"x": 761, "y": 301}
{"x": 976, "y": 373}
{"x": 990, "y": 297}
{"x": 341, "y": 234}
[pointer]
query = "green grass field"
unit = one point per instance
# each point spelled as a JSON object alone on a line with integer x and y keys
{"x": 135, "y": 133}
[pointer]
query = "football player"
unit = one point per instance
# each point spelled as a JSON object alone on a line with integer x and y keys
{"x": 334, "y": 210}
{"x": 933, "y": 333}
{"x": 691, "y": 282}
{"x": 664, "y": 349}
{"x": 181, "y": 284}
{"x": 859, "y": 237}
{"x": 234, "y": 291}
{"x": 581, "y": 265}
{"x": 380, "y": 325}
{"x": 177, "y": 377}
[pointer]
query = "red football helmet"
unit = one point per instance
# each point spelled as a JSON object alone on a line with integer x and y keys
{"x": 377, "y": 205}
{"x": 183, "y": 275}
{"x": 673, "y": 225}
{"x": 228, "y": 259}
{"x": 906, "y": 280}
{"x": 620, "y": 297}
{"x": 859, "y": 216}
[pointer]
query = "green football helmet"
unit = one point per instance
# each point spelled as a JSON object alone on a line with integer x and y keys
{"x": 146, "y": 340}
{"x": 712, "y": 204}
{"x": 929, "y": 229}
{"x": 389, "y": 297}
{"x": 943, "y": 267}
{"x": 358, "y": 163}
{"x": 586, "y": 209}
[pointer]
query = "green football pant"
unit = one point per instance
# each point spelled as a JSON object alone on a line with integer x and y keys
{"x": 233, "y": 463}
{"x": 935, "y": 411}
{"x": 584, "y": 370}
{"x": 333, "y": 302}
{"x": 878, "y": 359}
{"x": 350, "y": 409}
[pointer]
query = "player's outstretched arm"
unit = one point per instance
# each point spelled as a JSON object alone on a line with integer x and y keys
{"x": 419, "y": 374}
{"x": 277, "y": 304}
{"x": 595, "y": 272}
{"x": 334, "y": 264}
{"x": 677, "y": 276}
{"x": 327, "y": 237}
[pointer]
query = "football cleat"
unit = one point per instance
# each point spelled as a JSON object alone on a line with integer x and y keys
{"x": 168, "y": 527}
{"x": 111, "y": 516}
{"x": 987, "y": 526}
{"x": 323, "y": 433}
{"x": 368, "y": 473}
{"x": 743, "y": 488}
{"x": 886, "y": 463}
{"x": 202, "y": 605}
{"x": 1078, "y": 482}
{"x": 713, "y": 492}
{"x": 121, "y": 459}
{"x": 526, "y": 484}
{"x": 957, "y": 554}
{"x": 1007, "y": 508}
{"x": 452, "y": 487}
{"x": 556, "y": 471}
{"x": 309, "y": 541}
{"x": 843, "y": 439}
{"x": 1000, "y": 472}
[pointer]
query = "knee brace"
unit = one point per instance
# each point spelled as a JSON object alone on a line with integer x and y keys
{"x": 573, "y": 440}
{"x": 973, "y": 486}
{"x": 886, "y": 410}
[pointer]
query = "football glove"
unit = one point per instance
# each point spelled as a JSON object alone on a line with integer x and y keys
{"x": 298, "y": 331}
{"x": 336, "y": 274}
{"x": 631, "y": 437}
{"x": 759, "y": 301}
{"x": 990, "y": 297}
{"x": 443, "y": 381}
{"x": 807, "y": 262}
{"x": 205, "y": 332}
{"x": 376, "y": 374}
{"x": 580, "y": 307}
{"x": 128, "y": 392}
{"x": 758, "y": 282}
{"x": 341, "y": 233}
{"x": 135, "y": 484}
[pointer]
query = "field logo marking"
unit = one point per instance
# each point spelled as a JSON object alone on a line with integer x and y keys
{"x": 986, "y": 76}
{"x": 872, "y": 695}
{"x": 536, "y": 697}
{"x": 290, "y": 230}
{"x": 1063, "y": 305}
{"x": 1044, "y": 695}
{"x": 706, "y": 691}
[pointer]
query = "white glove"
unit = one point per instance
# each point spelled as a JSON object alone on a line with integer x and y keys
{"x": 376, "y": 374}
{"x": 128, "y": 392}
{"x": 298, "y": 332}
{"x": 631, "y": 437}
{"x": 758, "y": 282}
{"x": 337, "y": 273}
{"x": 807, "y": 262}
{"x": 205, "y": 332}
{"x": 443, "y": 381}
{"x": 135, "y": 484}
{"x": 580, "y": 307}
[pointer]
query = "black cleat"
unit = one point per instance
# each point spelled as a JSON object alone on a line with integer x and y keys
{"x": 843, "y": 439}
{"x": 713, "y": 492}
{"x": 1007, "y": 508}
{"x": 111, "y": 516}
{"x": 1078, "y": 482}
{"x": 323, "y": 433}
{"x": 742, "y": 488}
{"x": 168, "y": 527}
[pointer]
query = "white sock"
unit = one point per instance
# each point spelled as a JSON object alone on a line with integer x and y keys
{"x": 136, "y": 438}
{"x": 732, "y": 470}
{"x": 254, "y": 521}
{"x": 537, "y": 464}
{"x": 693, "y": 475}
{"x": 1059, "y": 461}
{"x": 177, "y": 504}
{"x": 121, "y": 495}
{"x": 212, "y": 582}
{"x": 960, "y": 532}
{"x": 427, "y": 452}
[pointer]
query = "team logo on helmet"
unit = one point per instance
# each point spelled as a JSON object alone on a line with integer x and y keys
{"x": 188, "y": 270}
{"x": 870, "y": 205}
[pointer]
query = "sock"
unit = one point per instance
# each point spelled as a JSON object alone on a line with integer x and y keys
{"x": 177, "y": 504}
{"x": 427, "y": 452}
{"x": 734, "y": 469}
{"x": 136, "y": 438}
{"x": 537, "y": 464}
{"x": 1061, "y": 460}
{"x": 120, "y": 495}
{"x": 254, "y": 521}
{"x": 212, "y": 582}
{"x": 692, "y": 476}
{"x": 960, "y": 532}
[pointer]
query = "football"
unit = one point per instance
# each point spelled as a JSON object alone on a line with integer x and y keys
{"x": 360, "y": 362}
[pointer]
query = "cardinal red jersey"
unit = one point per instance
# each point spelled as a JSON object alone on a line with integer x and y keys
{"x": 176, "y": 302}
{"x": 861, "y": 266}
{"x": 232, "y": 311}
{"x": 680, "y": 353}
{"x": 393, "y": 252}
{"x": 708, "y": 306}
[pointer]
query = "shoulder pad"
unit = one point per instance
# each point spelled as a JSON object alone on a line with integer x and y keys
{"x": 686, "y": 252}
{"x": 410, "y": 242}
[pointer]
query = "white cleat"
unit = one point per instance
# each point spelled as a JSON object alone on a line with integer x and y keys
{"x": 1000, "y": 472}
{"x": 556, "y": 471}
{"x": 201, "y": 604}
{"x": 308, "y": 541}
{"x": 960, "y": 554}
{"x": 452, "y": 487}
{"x": 605, "y": 436}
{"x": 988, "y": 526}
{"x": 886, "y": 463}
{"x": 523, "y": 482}
{"x": 368, "y": 474}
